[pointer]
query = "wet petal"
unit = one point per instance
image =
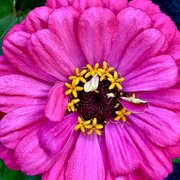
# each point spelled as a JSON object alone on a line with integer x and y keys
{"x": 131, "y": 19}
{"x": 37, "y": 19}
{"x": 156, "y": 73}
{"x": 56, "y": 103}
{"x": 123, "y": 157}
{"x": 7, "y": 155}
{"x": 54, "y": 135}
{"x": 16, "y": 124}
{"x": 159, "y": 125}
{"x": 86, "y": 159}
{"x": 15, "y": 50}
{"x": 49, "y": 54}
{"x": 31, "y": 158}
{"x": 63, "y": 22}
{"x": 97, "y": 29}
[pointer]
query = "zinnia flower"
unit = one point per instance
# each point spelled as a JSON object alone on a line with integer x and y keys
{"x": 90, "y": 89}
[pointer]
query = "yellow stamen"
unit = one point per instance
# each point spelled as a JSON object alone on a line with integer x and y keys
{"x": 79, "y": 76}
{"x": 94, "y": 127}
{"x": 71, "y": 104}
{"x": 81, "y": 124}
{"x": 73, "y": 89}
{"x": 115, "y": 81}
{"x": 122, "y": 115}
{"x": 92, "y": 71}
{"x": 105, "y": 72}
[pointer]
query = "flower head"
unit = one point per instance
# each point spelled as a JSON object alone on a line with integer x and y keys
{"x": 91, "y": 91}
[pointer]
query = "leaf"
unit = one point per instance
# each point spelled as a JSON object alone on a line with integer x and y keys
{"x": 7, "y": 174}
{"x": 176, "y": 160}
{"x": 13, "y": 12}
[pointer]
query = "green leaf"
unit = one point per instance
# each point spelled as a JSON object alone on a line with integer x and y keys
{"x": 6, "y": 174}
{"x": 176, "y": 160}
{"x": 13, "y": 12}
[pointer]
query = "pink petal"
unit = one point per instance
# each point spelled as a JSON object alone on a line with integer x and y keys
{"x": 16, "y": 124}
{"x": 37, "y": 19}
{"x": 156, "y": 73}
{"x": 163, "y": 23}
{"x": 31, "y": 158}
{"x": 58, "y": 170}
{"x": 152, "y": 156}
{"x": 22, "y": 85}
{"x": 159, "y": 125}
{"x": 57, "y": 4}
{"x": 167, "y": 98}
{"x": 54, "y": 136}
{"x": 82, "y": 5}
{"x": 115, "y": 5}
{"x": 174, "y": 151}
{"x": 7, "y": 155}
{"x": 50, "y": 55}
{"x": 123, "y": 157}
{"x": 97, "y": 30}
{"x": 6, "y": 68}
{"x": 15, "y": 50}
{"x": 18, "y": 91}
{"x": 146, "y": 5}
{"x": 135, "y": 108}
{"x": 56, "y": 103}
{"x": 148, "y": 44}
{"x": 86, "y": 160}
{"x": 63, "y": 22}
{"x": 131, "y": 19}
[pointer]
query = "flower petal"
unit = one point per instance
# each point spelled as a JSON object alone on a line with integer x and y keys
{"x": 82, "y": 5}
{"x": 7, "y": 155}
{"x": 16, "y": 124}
{"x": 123, "y": 157}
{"x": 156, "y": 73}
{"x": 57, "y": 4}
{"x": 37, "y": 19}
{"x": 152, "y": 156}
{"x": 15, "y": 50}
{"x": 97, "y": 30}
{"x": 6, "y": 68}
{"x": 167, "y": 98}
{"x": 115, "y": 5}
{"x": 148, "y": 44}
{"x": 63, "y": 22}
{"x": 31, "y": 158}
{"x": 131, "y": 19}
{"x": 58, "y": 170}
{"x": 146, "y": 5}
{"x": 50, "y": 55}
{"x": 135, "y": 107}
{"x": 86, "y": 160}
{"x": 159, "y": 125}
{"x": 56, "y": 103}
{"x": 54, "y": 135}
{"x": 163, "y": 22}
{"x": 18, "y": 91}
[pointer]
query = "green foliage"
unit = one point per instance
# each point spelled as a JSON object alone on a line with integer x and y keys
{"x": 176, "y": 160}
{"x": 6, "y": 174}
{"x": 13, "y": 12}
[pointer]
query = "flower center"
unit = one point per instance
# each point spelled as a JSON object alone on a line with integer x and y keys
{"x": 95, "y": 94}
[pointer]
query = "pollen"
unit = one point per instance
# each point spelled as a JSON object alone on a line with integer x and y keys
{"x": 71, "y": 105}
{"x": 105, "y": 71}
{"x": 94, "y": 127}
{"x": 73, "y": 89}
{"x": 82, "y": 124}
{"x": 92, "y": 71}
{"x": 79, "y": 76}
{"x": 115, "y": 81}
{"x": 121, "y": 114}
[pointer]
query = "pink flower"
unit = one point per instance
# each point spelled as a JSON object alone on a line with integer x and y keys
{"x": 91, "y": 91}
